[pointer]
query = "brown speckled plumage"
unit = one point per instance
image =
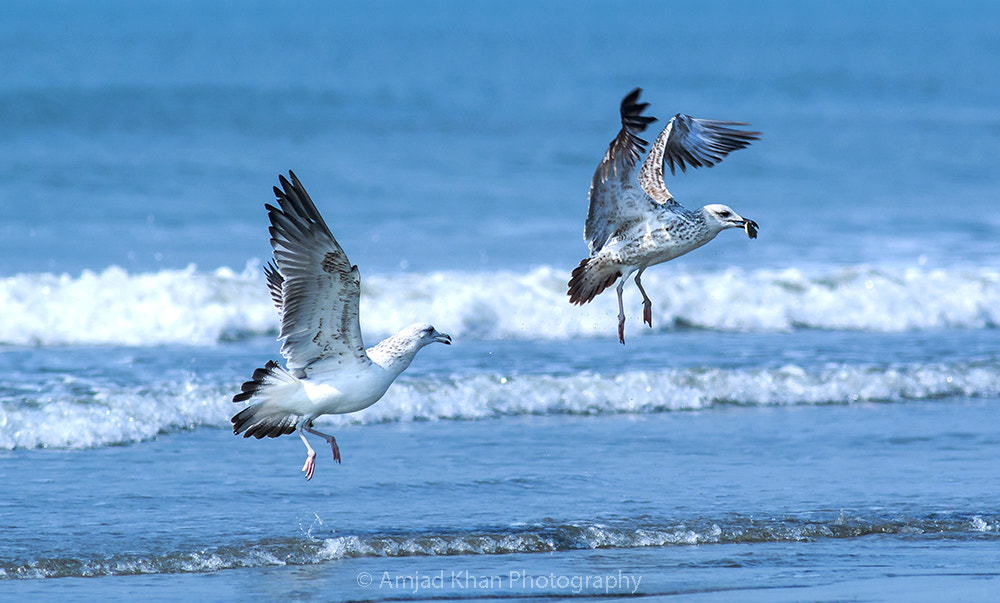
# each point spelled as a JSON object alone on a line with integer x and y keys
{"x": 633, "y": 221}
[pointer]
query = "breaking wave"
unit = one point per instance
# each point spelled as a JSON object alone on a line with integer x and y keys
{"x": 196, "y": 307}
{"x": 84, "y": 412}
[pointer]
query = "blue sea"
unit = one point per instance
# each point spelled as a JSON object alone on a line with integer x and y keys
{"x": 814, "y": 416}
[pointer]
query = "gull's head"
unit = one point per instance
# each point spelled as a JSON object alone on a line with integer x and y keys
{"x": 395, "y": 353}
{"x": 722, "y": 217}
{"x": 425, "y": 334}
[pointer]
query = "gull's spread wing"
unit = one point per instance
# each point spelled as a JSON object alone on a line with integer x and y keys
{"x": 689, "y": 141}
{"x": 614, "y": 197}
{"x": 313, "y": 284}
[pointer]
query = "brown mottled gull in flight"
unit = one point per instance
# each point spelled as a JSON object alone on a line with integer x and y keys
{"x": 634, "y": 222}
{"x": 317, "y": 292}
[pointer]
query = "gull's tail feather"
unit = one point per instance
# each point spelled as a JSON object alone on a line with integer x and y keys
{"x": 589, "y": 279}
{"x": 266, "y": 417}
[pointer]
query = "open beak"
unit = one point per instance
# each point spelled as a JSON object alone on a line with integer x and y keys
{"x": 442, "y": 338}
{"x": 751, "y": 227}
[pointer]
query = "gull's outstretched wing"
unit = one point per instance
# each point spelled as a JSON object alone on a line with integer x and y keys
{"x": 614, "y": 197}
{"x": 319, "y": 288}
{"x": 689, "y": 141}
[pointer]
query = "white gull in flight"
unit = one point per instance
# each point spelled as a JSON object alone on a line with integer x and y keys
{"x": 317, "y": 292}
{"x": 634, "y": 222}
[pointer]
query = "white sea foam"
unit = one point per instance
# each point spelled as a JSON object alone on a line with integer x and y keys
{"x": 90, "y": 414}
{"x": 587, "y": 535}
{"x": 525, "y": 540}
{"x": 196, "y": 307}
{"x": 115, "y": 307}
{"x": 490, "y": 396}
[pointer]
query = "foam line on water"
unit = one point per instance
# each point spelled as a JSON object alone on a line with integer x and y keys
{"x": 80, "y": 412}
{"x": 528, "y": 539}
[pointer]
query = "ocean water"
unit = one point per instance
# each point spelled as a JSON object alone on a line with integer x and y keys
{"x": 814, "y": 416}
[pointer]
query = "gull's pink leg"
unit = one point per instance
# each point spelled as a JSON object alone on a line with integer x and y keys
{"x": 621, "y": 313}
{"x": 329, "y": 438}
{"x": 310, "y": 465}
{"x": 647, "y": 305}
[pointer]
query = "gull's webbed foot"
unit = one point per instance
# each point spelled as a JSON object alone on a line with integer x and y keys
{"x": 647, "y": 305}
{"x": 310, "y": 465}
{"x": 335, "y": 448}
{"x": 330, "y": 440}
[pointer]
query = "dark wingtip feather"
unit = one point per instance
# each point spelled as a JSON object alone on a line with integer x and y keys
{"x": 631, "y": 113}
{"x": 251, "y": 387}
{"x": 297, "y": 207}
{"x": 284, "y": 183}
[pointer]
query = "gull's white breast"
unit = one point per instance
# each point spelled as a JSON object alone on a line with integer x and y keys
{"x": 339, "y": 393}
